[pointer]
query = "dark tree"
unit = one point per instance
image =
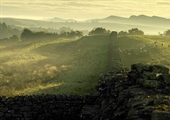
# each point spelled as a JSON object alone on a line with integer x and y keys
{"x": 4, "y": 26}
{"x": 135, "y": 31}
{"x": 113, "y": 35}
{"x": 26, "y": 34}
{"x": 98, "y": 30}
{"x": 122, "y": 33}
{"x": 77, "y": 33}
{"x": 14, "y": 38}
{"x": 71, "y": 34}
{"x": 167, "y": 33}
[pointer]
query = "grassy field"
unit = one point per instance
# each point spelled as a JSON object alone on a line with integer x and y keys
{"x": 62, "y": 66}
{"x": 71, "y": 66}
{"x": 145, "y": 49}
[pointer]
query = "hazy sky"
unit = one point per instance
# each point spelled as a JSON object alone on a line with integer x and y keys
{"x": 83, "y": 9}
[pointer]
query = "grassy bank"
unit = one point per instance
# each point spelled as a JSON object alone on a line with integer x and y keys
{"x": 60, "y": 66}
{"x": 145, "y": 49}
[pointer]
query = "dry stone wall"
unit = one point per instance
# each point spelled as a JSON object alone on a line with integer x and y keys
{"x": 143, "y": 93}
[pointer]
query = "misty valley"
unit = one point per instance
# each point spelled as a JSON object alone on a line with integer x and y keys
{"x": 67, "y": 57}
{"x": 84, "y": 60}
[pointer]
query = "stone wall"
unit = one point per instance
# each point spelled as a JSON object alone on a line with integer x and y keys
{"x": 140, "y": 94}
{"x": 41, "y": 107}
{"x": 53, "y": 107}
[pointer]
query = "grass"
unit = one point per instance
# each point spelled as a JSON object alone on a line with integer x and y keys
{"x": 62, "y": 66}
{"x": 145, "y": 49}
{"x": 71, "y": 66}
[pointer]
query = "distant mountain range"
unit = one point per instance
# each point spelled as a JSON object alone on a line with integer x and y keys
{"x": 57, "y": 19}
{"x": 149, "y": 24}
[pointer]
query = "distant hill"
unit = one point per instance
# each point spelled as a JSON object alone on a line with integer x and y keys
{"x": 141, "y": 19}
{"x": 57, "y": 19}
{"x": 154, "y": 20}
{"x": 149, "y": 24}
{"x": 8, "y": 30}
{"x": 114, "y": 19}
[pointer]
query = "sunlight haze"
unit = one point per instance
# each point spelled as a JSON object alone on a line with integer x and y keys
{"x": 81, "y": 10}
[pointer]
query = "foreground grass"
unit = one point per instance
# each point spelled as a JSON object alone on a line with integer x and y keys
{"x": 145, "y": 49}
{"x": 63, "y": 66}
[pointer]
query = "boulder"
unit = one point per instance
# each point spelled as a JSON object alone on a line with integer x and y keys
{"x": 166, "y": 78}
{"x": 159, "y": 69}
{"x": 160, "y": 115}
{"x": 89, "y": 112}
{"x": 151, "y": 84}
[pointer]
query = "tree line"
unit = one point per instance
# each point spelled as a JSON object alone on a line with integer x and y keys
{"x": 11, "y": 33}
{"x": 100, "y": 30}
{"x": 30, "y": 35}
{"x": 8, "y": 31}
{"x": 167, "y": 32}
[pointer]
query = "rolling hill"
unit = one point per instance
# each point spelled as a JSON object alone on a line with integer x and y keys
{"x": 145, "y": 49}
{"x": 63, "y": 66}
{"x": 151, "y": 25}
{"x": 72, "y": 66}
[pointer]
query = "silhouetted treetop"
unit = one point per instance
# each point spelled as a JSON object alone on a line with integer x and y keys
{"x": 30, "y": 35}
{"x": 8, "y": 31}
{"x": 122, "y": 33}
{"x": 167, "y": 33}
{"x": 135, "y": 31}
{"x": 98, "y": 30}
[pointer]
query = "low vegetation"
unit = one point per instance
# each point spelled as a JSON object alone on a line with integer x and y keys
{"x": 68, "y": 66}
{"x": 68, "y": 63}
{"x": 145, "y": 49}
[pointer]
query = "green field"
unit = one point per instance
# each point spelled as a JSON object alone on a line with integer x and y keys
{"x": 145, "y": 49}
{"x": 71, "y": 66}
{"x": 62, "y": 66}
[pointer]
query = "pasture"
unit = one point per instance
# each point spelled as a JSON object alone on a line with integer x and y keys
{"x": 145, "y": 49}
{"x": 71, "y": 66}
{"x": 61, "y": 66}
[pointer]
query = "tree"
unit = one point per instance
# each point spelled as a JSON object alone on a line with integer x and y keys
{"x": 98, "y": 30}
{"x": 4, "y": 25}
{"x": 167, "y": 33}
{"x": 122, "y": 33}
{"x": 26, "y": 34}
{"x": 135, "y": 31}
{"x": 14, "y": 38}
{"x": 78, "y": 33}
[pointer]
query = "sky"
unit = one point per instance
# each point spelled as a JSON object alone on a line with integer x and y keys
{"x": 82, "y": 9}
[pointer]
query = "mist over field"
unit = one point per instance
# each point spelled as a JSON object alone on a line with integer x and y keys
{"x": 70, "y": 61}
{"x": 62, "y": 47}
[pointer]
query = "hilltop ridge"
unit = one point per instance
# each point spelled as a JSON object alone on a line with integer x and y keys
{"x": 149, "y": 24}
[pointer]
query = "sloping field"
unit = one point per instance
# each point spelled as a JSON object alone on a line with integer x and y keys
{"x": 58, "y": 66}
{"x": 145, "y": 49}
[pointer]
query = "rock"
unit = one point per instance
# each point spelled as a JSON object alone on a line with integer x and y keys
{"x": 166, "y": 78}
{"x": 160, "y": 115}
{"x": 139, "y": 67}
{"x": 1, "y": 114}
{"x": 3, "y": 109}
{"x": 15, "y": 115}
{"x": 89, "y": 112}
{"x": 25, "y": 108}
{"x": 7, "y": 115}
{"x": 151, "y": 84}
{"x": 150, "y": 76}
{"x": 159, "y": 69}
{"x": 27, "y": 114}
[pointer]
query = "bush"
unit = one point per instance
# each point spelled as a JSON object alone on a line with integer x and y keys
{"x": 167, "y": 33}
{"x": 98, "y": 31}
{"x": 122, "y": 33}
{"x": 135, "y": 31}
